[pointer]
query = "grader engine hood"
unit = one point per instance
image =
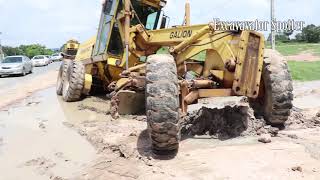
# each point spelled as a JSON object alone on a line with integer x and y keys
{"x": 85, "y": 49}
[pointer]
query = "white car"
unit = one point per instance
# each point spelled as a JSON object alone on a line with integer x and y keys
{"x": 50, "y": 59}
{"x": 40, "y": 60}
{"x": 56, "y": 57}
{"x": 11, "y": 65}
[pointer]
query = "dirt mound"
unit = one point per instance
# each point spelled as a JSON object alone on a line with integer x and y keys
{"x": 299, "y": 120}
{"x": 305, "y": 56}
{"x": 225, "y": 119}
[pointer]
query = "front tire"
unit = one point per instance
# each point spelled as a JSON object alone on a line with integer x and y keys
{"x": 62, "y": 76}
{"x": 277, "y": 101}
{"x": 74, "y": 82}
{"x": 162, "y": 103}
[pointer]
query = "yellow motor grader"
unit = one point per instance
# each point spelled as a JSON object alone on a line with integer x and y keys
{"x": 125, "y": 60}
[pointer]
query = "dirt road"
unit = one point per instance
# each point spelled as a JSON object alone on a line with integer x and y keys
{"x": 42, "y": 137}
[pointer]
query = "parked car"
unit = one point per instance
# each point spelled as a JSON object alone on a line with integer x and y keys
{"x": 16, "y": 65}
{"x": 40, "y": 60}
{"x": 50, "y": 59}
{"x": 56, "y": 57}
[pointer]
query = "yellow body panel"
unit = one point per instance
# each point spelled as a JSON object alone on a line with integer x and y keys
{"x": 249, "y": 65}
{"x": 85, "y": 49}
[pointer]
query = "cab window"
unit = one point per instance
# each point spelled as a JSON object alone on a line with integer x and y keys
{"x": 152, "y": 21}
{"x": 105, "y": 26}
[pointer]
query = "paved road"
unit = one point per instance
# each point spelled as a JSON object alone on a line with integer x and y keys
{"x": 11, "y": 81}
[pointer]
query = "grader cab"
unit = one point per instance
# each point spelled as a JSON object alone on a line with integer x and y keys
{"x": 124, "y": 60}
{"x": 70, "y": 49}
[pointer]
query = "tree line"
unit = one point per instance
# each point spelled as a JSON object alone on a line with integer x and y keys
{"x": 27, "y": 50}
{"x": 309, "y": 34}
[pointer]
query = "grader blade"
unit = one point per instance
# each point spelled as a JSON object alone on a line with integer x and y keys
{"x": 130, "y": 102}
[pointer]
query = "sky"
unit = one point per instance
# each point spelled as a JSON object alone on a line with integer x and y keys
{"x": 53, "y": 22}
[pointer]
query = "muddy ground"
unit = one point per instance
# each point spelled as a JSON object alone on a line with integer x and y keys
{"x": 42, "y": 137}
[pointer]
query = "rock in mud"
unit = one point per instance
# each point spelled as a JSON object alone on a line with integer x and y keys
{"x": 293, "y": 136}
{"x": 273, "y": 131}
{"x": 140, "y": 118}
{"x": 265, "y": 138}
{"x": 297, "y": 168}
{"x": 298, "y": 120}
{"x": 42, "y": 125}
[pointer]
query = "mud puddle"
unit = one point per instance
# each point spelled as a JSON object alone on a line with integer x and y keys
{"x": 35, "y": 144}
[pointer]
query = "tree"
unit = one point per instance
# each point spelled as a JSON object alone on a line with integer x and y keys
{"x": 27, "y": 50}
{"x": 282, "y": 37}
{"x": 311, "y": 33}
{"x": 300, "y": 37}
{"x": 12, "y": 51}
{"x": 288, "y": 33}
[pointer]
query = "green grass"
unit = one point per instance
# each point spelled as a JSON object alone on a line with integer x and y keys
{"x": 300, "y": 70}
{"x": 288, "y": 49}
{"x": 305, "y": 71}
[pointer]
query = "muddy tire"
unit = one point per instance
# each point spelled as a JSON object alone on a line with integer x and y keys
{"x": 277, "y": 100}
{"x": 162, "y": 103}
{"x": 74, "y": 82}
{"x": 62, "y": 76}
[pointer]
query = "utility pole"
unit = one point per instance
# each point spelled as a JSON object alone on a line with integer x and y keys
{"x": 273, "y": 35}
{"x": 187, "y": 14}
{"x": 1, "y": 52}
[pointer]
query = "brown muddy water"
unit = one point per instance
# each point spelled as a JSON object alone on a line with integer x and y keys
{"x": 34, "y": 143}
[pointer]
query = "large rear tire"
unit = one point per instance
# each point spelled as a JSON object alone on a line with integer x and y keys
{"x": 162, "y": 103}
{"x": 74, "y": 82}
{"x": 62, "y": 76}
{"x": 277, "y": 100}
